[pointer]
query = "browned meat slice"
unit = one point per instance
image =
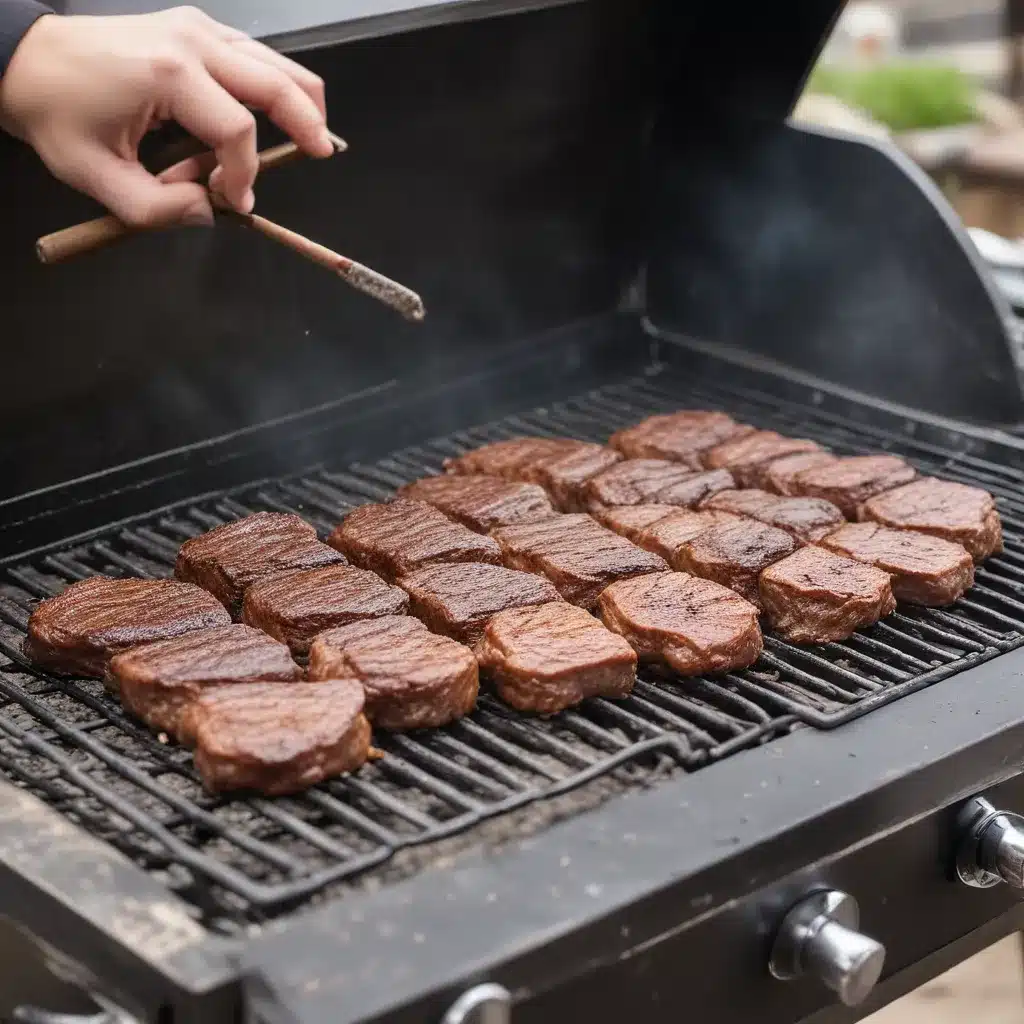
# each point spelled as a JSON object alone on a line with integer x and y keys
{"x": 691, "y": 492}
{"x": 806, "y": 519}
{"x": 81, "y": 629}
{"x": 395, "y": 539}
{"x": 564, "y": 474}
{"x": 691, "y": 626}
{"x": 576, "y": 553}
{"x": 631, "y": 520}
{"x": 507, "y": 458}
{"x": 958, "y": 513}
{"x": 551, "y": 656}
{"x": 678, "y": 437}
{"x": 780, "y": 475}
{"x": 924, "y": 570}
{"x": 228, "y": 558}
{"x": 734, "y": 554}
{"x": 666, "y": 536}
{"x": 745, "y": 457}
{"x": 277, "y": 738}
{"x": 815, "y": 596}
{"x": 159, "y": 680}
{"x": 458, "y": 600}
{"x": 849, "y": 482}
{"x": 653, "y": 481}
{"x": 481, "y": 502}
{"x": 412, "y": 678}
{"x": 295, "y": 606}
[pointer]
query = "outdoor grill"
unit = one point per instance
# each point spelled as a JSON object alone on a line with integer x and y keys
{"x": 607, "y": 217}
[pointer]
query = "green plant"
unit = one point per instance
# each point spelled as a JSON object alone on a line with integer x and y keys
{"x": 902, "y": 95}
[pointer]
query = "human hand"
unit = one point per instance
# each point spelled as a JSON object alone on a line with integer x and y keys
{"x": 82, "y": 91}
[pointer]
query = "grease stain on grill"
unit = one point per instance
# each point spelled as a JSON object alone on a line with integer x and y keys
{"x": 494, "y": 778}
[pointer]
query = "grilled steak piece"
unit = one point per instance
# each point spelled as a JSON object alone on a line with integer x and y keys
{"x": 412, "y": 678}
{"x": 653, "y": 481}
{"x": 631, "y": 520}
{"x": 815, "y": 596}
{"x": 459, "y": 600}
{"x": 395, "y": 539}
{"x": 779, "y": 476}
{"x": 228, "y": 558}
{"x": 849, "y": 482}
{"x": 481, "y": 502}
{"x": 667, "y": 535}
{"x": 295, "y": 606}
{"x": 734, "y": 554}
{"x": 551, "y": 656}
{"x": 81, "y": 629}
{"x": 576, "y": 553}
{"x": 924, "y": 570}
{"x": 158, "y": 681}
{"x": 563, "y": 475}
{"x": 678, "y": 437}
{"x": 806, "y": 519}
{"x": 508, "y": 458}
{"x": 690, "y": 626}
{"x": 277, "y": 738}
{"x": 955, "y": 512}
{"x": 745, "y": 457}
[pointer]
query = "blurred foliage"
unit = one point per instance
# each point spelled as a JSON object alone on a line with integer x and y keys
{"x": 904, "y": 96}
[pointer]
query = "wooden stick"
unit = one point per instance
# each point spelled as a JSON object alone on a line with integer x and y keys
{"x": 91, "y": 235}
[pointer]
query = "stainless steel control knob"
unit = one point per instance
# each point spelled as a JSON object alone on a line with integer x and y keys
{"x": 991, "y": 846}
{"x": 819, "y": 938}
{"x": 483, "y": 1004}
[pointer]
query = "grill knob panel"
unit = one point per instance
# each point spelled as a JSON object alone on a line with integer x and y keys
{"x": 991, "y": 847}
{"x": 819, "y": 938}
{"x": 483, "y": 1004}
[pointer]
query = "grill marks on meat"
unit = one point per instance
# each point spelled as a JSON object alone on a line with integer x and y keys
{"x": 508, "y": 459}
{"x": 277, "y": 738}
{"x": 924, "y": 570}
{"x": 229, "y": 558}
{"x": 779, "y": 475}
{"x": 551, "y": 656}
{"x": 686, "y": 625}
{"x": 295, "y": 606}
{"x": 412, "y": 678}
{"x": 815, "y": 596}
{"x": 481, "y": 502}
{"x": 564, "y": 475}
{"x": 158, "y": 681}
{"x": 459, "y": 600}
{"x": 397, "y": 538}
{"x": 806, "y": 519}
{"x": 850, "y": 481}
{"x": 678, "y": 437}
{"x": 734, "y": 554}
{"x": 630, "y": 521}
{"x": 653, "y": 481}
{"x": 745, "y": 457}
{"x": 955, "y": 512}
{"x": 667, "y": 535}
{"x": 577, "y": 554}
{"x": 81, "y": 629}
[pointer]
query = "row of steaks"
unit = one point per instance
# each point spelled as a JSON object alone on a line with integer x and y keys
{"x": 549, "y": 566}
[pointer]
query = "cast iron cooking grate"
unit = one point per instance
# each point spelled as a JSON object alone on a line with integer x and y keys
{"x": 245, "y": 860}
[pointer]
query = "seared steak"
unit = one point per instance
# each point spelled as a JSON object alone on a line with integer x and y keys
{"x": 806, "y": 519}
{"x": 923, "y": 570}
{"x": 815, "y": 596}
{"x": 955, "y": 512}
{"x": 458, "y": 600}
{"x": 395, "y": 539}
{"x": 228, "y": 558}
{"x": 277, "y": 738}
{"x": 678, "y": 437}
{"x": 551, "y": 656}
{"x": 481, "y": 502}
{"x": 779, "y": 476}
{"x": 158, "y": 681}
{"x": 631, "y": 520}
{"x": 652, "y": 481}
{"x": 576, "y": 553}
{"x": 691, "y": 626}
{"x": 412, "y": 678}
{"x": 295, "y": 606}
{"x": 667, "y": 535}
{"x": 745, "y": 457}
{"x": 849, "y": 482}
{"x": 81, "y": 629}
{"x": 564, "y": 474}
{"x": 508, "y": 458}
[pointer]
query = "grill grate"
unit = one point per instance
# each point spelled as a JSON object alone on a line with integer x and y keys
{"x": 243, "y": 861}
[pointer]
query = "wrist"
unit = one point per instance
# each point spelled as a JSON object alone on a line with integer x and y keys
{"x": 24, "y": 27}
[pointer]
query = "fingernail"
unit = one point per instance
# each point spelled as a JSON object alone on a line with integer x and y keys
{"x": 326, "y": 142}
{"x": 248, "y": 201}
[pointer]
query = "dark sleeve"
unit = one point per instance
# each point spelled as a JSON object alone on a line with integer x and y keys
{"x": 16, "y": 18}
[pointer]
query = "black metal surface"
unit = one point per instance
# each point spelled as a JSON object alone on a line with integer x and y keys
{"x": 242, "y": 861}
